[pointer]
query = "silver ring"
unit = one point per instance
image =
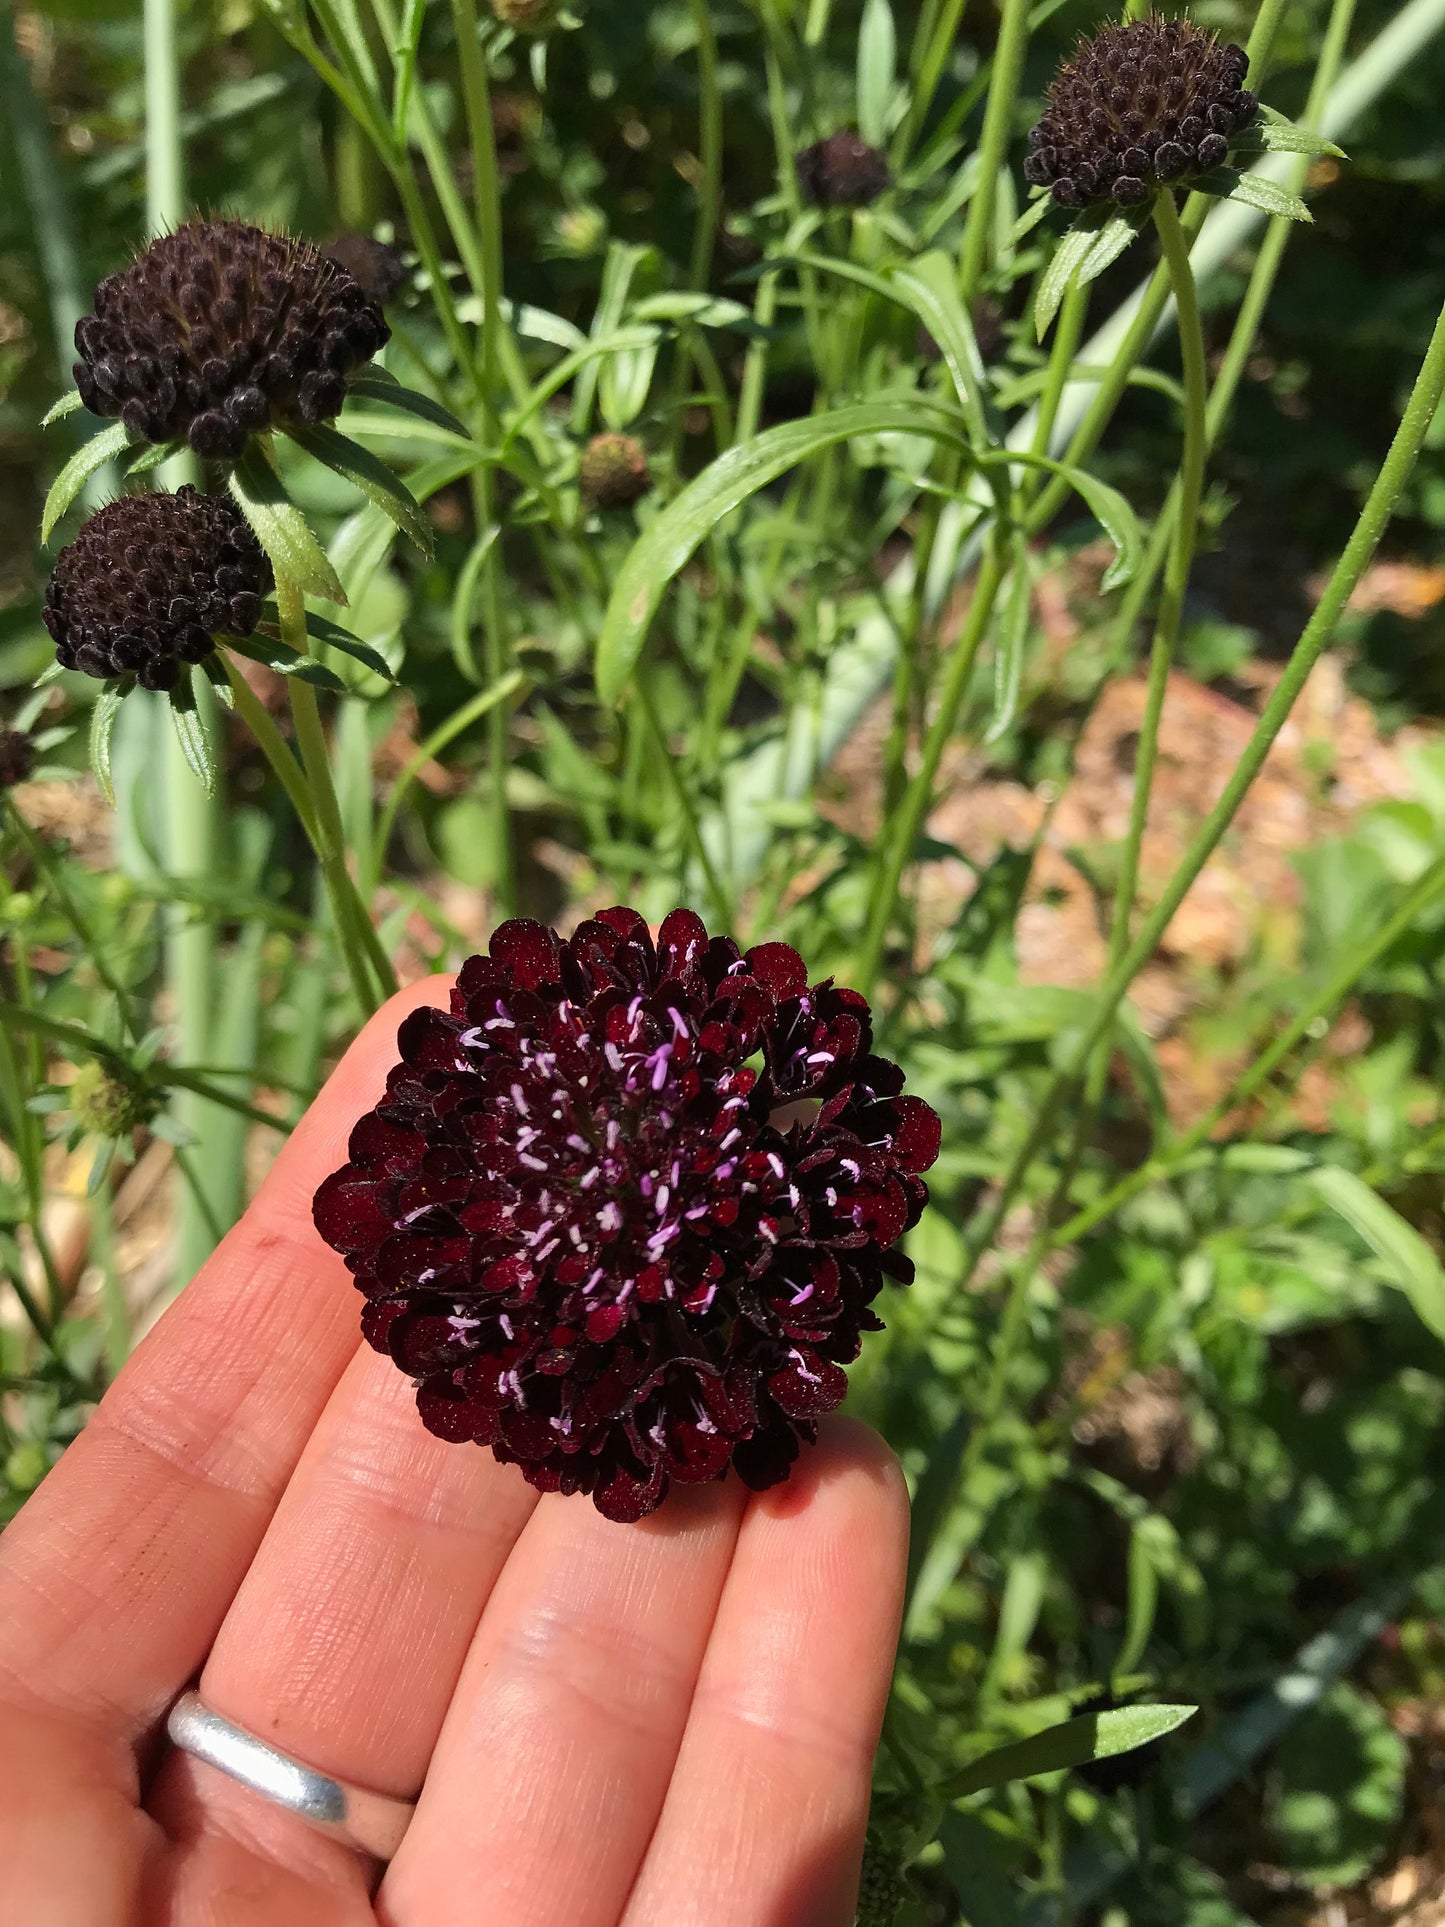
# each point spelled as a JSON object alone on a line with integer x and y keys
{"x": 373, "y": 1822}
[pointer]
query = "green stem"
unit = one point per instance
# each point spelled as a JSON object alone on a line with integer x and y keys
{"x": 460, "y": 720}
{"x": 1067, "y": 330}
{"x": 937, "y": 47}
{"x": 360, "y": 946}
{"x": 902, "y": 832}
{"x": 1422, "y": 894}
{"x": 485, "y": 269}
{"x": 1374, "y": 518}
{"x": 1176, "y": 576}
{"x": 722, "y": 902}
{"x": 273, "y": 747}
{"x": 1013, "y": 32}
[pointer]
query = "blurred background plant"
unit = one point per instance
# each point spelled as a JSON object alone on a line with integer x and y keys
{"x": 738, "y": 599}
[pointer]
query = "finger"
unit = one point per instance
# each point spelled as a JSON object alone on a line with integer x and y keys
{"x": 344, "y": 1644}
{"x": 554, "y": 1760}
{"x": 115, "y": 1577}
{"x": 765, "y": 1816}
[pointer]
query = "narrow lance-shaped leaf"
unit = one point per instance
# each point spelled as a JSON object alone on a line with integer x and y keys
{"x": 371, "y": 475}
{"x": 1081, "y": 256}
{"x": 323, "y": 629}
{"x": 77, "y": 472}
{"x": 1092, "y": 1736}
{"x": 1009, "y": 649}
{"x": 285, "y": 660}
{"x": 1276, "y": 135}
{"x": 281, "y": 528}
{"x": 663, "y": 549}
{"x": 191, "y": 734}
{"x": 1257, "y": 190}
{"x": 102, "y": 722}
{"x": 67, "y": 405}
{"x": 1406, "y": 1256}
{"x": 376, "y": 386}
{"x": 1107, "y": 505}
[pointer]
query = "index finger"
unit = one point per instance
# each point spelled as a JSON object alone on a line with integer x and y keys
{"x": 115, "y": 1577}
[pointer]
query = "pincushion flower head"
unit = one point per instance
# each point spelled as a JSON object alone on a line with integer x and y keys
{"x": 149, "y": 582}
{"x": 1141, "y": 110}
{"x": 625, "y": 1205}
{"x": 1141, "y": 104}
{"x": 219, "y": 331}
{"x": 842, "y": 171}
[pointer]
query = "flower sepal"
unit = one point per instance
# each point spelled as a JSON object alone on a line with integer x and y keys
{"x": 1272, "y": 133}
{"x": 281, "y": 529}
{"x": 322, "y": 629}
{"x": 1093, "y": 242}
{"x": 191, "y": 734}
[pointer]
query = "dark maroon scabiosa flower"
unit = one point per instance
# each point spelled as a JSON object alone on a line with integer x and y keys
{"x": 842, "y": 171}
{"x": 220, "y": 331}
{"x": 1141, "y": 104}
{"x": 17, "y": 757}
{"x": 149, "y": 581}
{"x": 613, "y": 472}
{"x": 624, "y": 1207}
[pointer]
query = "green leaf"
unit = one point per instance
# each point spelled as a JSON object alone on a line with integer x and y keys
{"x": 323, "y": 629}
{"x": 77, "y": 472}
{"x": 1256, "y": 190}
{"x": 1013, "y": 636}
{"x": 285, "y": 660}
{"x": 930, "y": 285}
{"x": 281, "y": 528}
{"x": 1108, "y": 506}
{"x": 102, "y": 722}
{"x": 67, "y": 405}
{"x": 371, "y": 475}
{"x": 1064, "y": 264}
{"x": 195, "y": 744}
{"x": 1082, "y": 255}
{"x": 375, "y": 385}
{"x": 877, "y": 61}
{"x": 1409, "y": 1261}
{"x": 1029, "y": 219}
{"x": 665, "y": 546}
{"x": 152, "y": 456}
{"x": 1280, "y": 136}
{"x": 1093, "y": 1736}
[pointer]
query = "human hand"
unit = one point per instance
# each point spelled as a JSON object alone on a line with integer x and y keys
{"x": 671, "y": 1722}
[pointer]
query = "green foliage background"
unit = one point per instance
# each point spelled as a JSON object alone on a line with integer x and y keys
{"x": 1278, "y": 1562}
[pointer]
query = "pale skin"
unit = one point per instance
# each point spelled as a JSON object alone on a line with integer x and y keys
{"x": 669, "y": 1724}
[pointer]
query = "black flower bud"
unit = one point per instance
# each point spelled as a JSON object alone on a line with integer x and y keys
{"x": 613, "y": 472}
{"x": 375, "y": 268}
{"x": 221, "y": 330}
{"x": 1141, "y": 105}
{"x": 17, "y": 757}
{"x": 842, "y": 171}
{"x": 149, "y": 581}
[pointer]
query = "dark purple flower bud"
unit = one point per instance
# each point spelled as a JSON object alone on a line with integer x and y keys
{"x": 149, "y": 580}
{"x": 842, "y": 171}
{"x": 17, "y": 757}
{"x": 207, "y": 336}
{"x": 624, "y": 1207}
{"x": 613, "y": 472}
{"x": 1141, "y": 104}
